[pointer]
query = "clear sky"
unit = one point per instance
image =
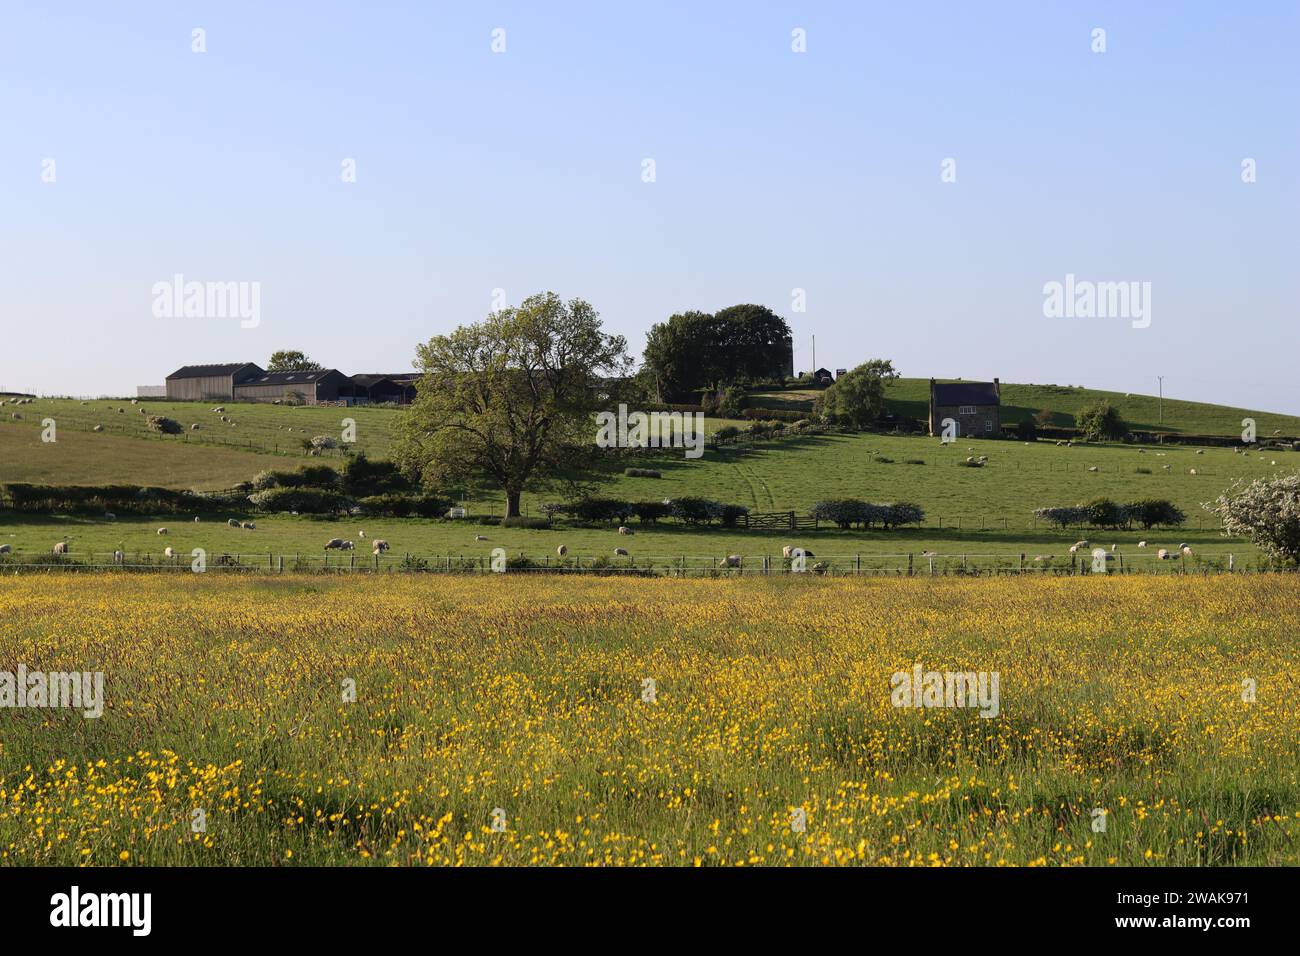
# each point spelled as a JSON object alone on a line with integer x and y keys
{"x": 774, "y": 171}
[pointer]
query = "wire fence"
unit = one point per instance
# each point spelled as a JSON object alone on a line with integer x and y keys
{"x": 902, "y": 564}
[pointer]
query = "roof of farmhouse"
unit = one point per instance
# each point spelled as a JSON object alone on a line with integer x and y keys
{"x": 966, "y": 393}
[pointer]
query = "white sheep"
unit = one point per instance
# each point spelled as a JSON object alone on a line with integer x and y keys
{"x": 730, "y": 561}
{"x": 1191, "y": 471}
{"x": 623, "y": 529}
{"x": 162, "y": 531}
{"x": 1142, "y": 544}
{"x": 61, "y": 548}
{"x": 249, "y": 526}
{"x": 379, "y": 545}
{"x": 562, "y": 550}
{"x": 480, "y": 537}
{"x": 233, "y": 522}
{"x": 334, "y": 544}
{"x": 621, "y": 552}
{"x": 5, "y": 549}
{"x": 98, "y": 428}
{"x": 1185, "y": 549}
{"x": 169, "y": 553}
{"x": 1162, "y": 554}
{"x": 119, "y": 557}
{"x": 347, "y": 546}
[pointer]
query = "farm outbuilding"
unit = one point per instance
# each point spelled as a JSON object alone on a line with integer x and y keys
{"x": 976, "y": 407}
{"x": 209, "y": 382}
{"x": 298, "y": 388}
{"x": 374, "y": 389}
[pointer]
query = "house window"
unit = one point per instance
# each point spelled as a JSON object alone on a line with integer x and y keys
{"x": 966, "y": 410}
{"x": 988, "y": 424}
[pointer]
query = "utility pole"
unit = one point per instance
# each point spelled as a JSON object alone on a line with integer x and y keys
{"x": 1160, "y": 404}
{"x": 814, "y": 347}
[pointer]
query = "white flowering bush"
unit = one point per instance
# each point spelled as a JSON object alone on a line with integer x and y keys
{"x": 1267, "y": 511}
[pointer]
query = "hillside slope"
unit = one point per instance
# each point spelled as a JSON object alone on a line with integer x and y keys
{"x": 910, "y": 397}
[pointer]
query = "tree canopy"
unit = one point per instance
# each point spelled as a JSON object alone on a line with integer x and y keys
{"x": 1101, "y": 421}
{"x": 291, "y": 361}
{"x": 694, "y": 350}
{"x": 857, "y": 397}
{"x": 511, "y": 398}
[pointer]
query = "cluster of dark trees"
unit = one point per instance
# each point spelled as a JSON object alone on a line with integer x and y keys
{"x": 694, "y": 351}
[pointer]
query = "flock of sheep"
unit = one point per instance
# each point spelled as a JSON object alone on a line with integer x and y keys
{"x": 1163, "y": 554}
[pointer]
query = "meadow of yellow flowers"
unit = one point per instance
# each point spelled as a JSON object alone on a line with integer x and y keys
{"x": 514, "y": 719}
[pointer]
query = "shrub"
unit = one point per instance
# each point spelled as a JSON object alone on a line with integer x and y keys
{"x": 308, "y": 476}
{"x": 913, "y": 461}
{"x": 648, "y": 512}
{"x": 602, "y": 509}
{"x": 1141, "y": 471}
{"x": 364, "y": 478}
{"x": 405, "y": 506}
{"x": 1027, "y": 430}
{"x": 731, "y": 402}
{"x": 553, "y": 508}
{"x": 165, "y": 426}
{"x": 695, "y": 510}
{"x": 323, "y": 441}
{"x": 642, "y": 473}
{"x": 1062, "y": 517}
{"x": 312, "y": 501}
{"x": 901, "y": 513}
{"x": 731, "y": 514}
{"x": 1155, "y": 511}
{"x": 1105, "y": 513}
{"x": 726, "y": 433}
{"x": 1100, "y": 421}
{"x": 1267, "y": 511}
{"x": 843, "y": 512}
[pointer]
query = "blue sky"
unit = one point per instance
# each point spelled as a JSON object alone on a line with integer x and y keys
{"x": 775, "y": 171}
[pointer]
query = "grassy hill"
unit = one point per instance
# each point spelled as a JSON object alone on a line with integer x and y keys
{"x": 911, "y": 397}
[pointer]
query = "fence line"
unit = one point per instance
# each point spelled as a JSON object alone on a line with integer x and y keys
{"x": 909, "y": 564}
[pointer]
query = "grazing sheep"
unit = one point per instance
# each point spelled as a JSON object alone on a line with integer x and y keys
{"x": 1112, "y": 549}
{"x": 1191, "y": 471}
{"x": 1074, "y": 548}
{"x": 219, "y": 409}
{"x": 334, "y": 544}
{"x": 1162, "y": 554}
{"x": 249, "y": 526}
{"x": 234, "y": 523}
{"x": 61, "y": 548}
{"x": 1042, "y": 557}
{"x": 194, "y": 427}
{"x": 1142, "y": 544}
{"x": 17, "y": 416}
{"x": 5, "y": 549}
{"x": 929, "y": 554}
{"x": 1200, "y": 451}
{"x": 730, "y": 561}
{"x": 621, "y": 552}
{"x": 623, "y": 529}
{"x": 121, "y": 411}
{"x": 347, "y": 546}
{"x": 361, "y": 534}
{"x": 1185, "y": 549}
{"x": 162, "y": 531}
{"x": 109, "y": 516}
{"x": 480, "y": 537}
{"x": 379, "y": 545}
{"x": 1093, "y": 468}
{"x": 119, "y": 557}
{"x": 98, "y": 428}
{"x": 169, "y": 553}
{"x": 196, "y": 519}
{"x": 1082, "y": 543}
{"x": 562, "y": 550}
{"x": 1182, "y": 546}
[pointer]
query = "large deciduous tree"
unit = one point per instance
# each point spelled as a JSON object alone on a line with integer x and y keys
{"x": 511, "y": 398}
{"x": 695, "y": 350}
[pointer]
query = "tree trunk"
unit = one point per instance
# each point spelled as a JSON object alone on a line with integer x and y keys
{"x": 512, "y": 503}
